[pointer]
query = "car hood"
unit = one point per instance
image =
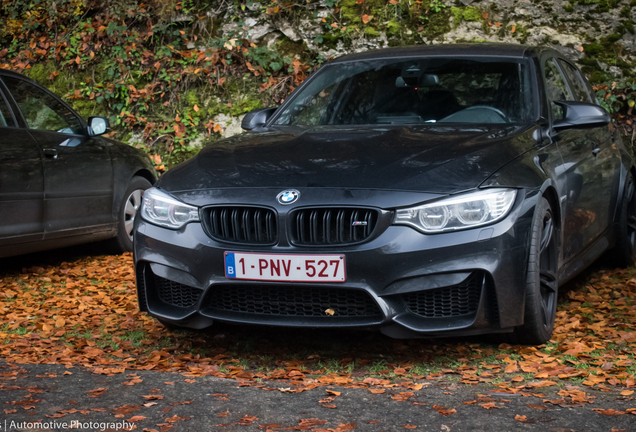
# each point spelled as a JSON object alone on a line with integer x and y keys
{"x": 434, "y": 159}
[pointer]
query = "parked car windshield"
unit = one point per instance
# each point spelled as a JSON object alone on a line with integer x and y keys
{"x": 426, "y": 90}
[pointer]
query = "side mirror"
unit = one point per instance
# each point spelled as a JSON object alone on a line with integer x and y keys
{"x": 257, "y": 118}
{"x": 581, "y": 115}
{"x": 98, "y": 126}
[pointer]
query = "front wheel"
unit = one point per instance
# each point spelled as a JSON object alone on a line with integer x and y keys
{"x": 624, "y": 253}
{"x": 542, "y": 278}
{"x": 127, "y": 211}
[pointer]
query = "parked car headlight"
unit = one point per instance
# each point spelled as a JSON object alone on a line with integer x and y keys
{"x": 459, "y": 212}
{"x": 161, "y": 209}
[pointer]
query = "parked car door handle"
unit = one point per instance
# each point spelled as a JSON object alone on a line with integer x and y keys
{"x": 50, "y": 153}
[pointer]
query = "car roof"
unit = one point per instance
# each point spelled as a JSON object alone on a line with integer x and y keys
{"x": 8, "y": 73}
{"x": 11, "y": 73}
{"x": 464, "y": 49}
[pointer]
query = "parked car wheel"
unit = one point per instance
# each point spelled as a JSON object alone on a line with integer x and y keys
{"x": 127, "y": 212}
{"x": 542, "y": 280}
{"x": 624, "y": 253}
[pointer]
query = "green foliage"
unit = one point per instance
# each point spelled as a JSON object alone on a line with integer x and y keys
{"x": 626, "y": 26}
{"x": 626, "y": 12}
{"x": 619, "y": 98}
{"x": 132, "y": 62}
{"x": 471, "y": 14}
{"x": 468, "y": 13}
{"x": 608, "y": 51}
{"x": 437, "y": 25}
{"x": 393, "y": 28}
{"x": 165, "y": 72}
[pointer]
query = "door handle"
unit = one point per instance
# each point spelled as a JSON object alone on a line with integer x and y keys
{"x": 50, "y": 153}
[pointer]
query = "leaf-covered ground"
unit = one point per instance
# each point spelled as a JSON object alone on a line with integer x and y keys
{"x": 84, "y": 313}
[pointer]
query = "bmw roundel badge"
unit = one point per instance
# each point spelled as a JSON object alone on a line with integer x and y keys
{"x": 288, "y": 196}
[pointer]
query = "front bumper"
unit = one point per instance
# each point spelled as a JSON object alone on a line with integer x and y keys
{"x": 403, "y": 282}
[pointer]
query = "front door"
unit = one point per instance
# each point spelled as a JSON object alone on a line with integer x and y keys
{"x": 581, "y": 183}
{"x": 21, "y": 182}
{"x": 78, "y": 177}
{"x": 605, "y": 152}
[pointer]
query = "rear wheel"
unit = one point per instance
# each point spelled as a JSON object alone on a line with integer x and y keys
{"x": 127, "y": 211}
{"x": 624, "y": 253}
{"x": 542, "y": 279}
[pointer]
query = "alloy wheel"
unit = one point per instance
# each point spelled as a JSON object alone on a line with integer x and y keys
{"x": 548, "y": 270}
{"x": 133, "y": 202}
{"x": 630, "y": 196}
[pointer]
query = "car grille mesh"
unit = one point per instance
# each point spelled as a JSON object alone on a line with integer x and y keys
{"x": 293, "y": 301}
{"x": 456, "y": 300}
{"x": 176, "y": 294}
{"x": 332, "y": 226}
{"x": 251, "y": 225}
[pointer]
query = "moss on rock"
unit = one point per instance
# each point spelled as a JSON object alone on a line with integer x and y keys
{"x": 437, "y": 24}
{"x": 468, "y": 13}
{"x": 298, "y": 50}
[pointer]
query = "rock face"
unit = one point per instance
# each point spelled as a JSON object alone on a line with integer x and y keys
{"x": 231, "y": 125}
{"x": 598, "y": 34}
{"x": 593, "y": 29}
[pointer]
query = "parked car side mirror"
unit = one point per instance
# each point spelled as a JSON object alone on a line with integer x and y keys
{"x": 581, "y": 115}
{"x": 257, "y": 118}
{"x": 98, "y": 126}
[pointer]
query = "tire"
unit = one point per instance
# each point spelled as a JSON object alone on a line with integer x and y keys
{"x": 127, "y": 211}
{"x": 624, "y": 253}
{"x": 542, "y": 279}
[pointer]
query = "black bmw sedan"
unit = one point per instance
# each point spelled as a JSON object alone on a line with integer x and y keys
{"x": 423, "y": 191}
{"x": 61, "y": 182}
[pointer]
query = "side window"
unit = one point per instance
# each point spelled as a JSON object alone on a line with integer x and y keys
{"x": 555, "y": 88}
{"x": 6, "y": 118}
{"x": 41, "y": 110}
{"x": 576, "y": 82}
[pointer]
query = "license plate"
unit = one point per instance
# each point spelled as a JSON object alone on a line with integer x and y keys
{"x": 286, "y": 268}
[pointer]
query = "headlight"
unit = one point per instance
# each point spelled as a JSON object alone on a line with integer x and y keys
{"x": 461, "y": 212}
{"x": 161, "y": 209}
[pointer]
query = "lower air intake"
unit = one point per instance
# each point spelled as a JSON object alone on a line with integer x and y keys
{"x": 293, "y": 301}
{"x": 176, "y": 294}
{"x": 452, "y": 301}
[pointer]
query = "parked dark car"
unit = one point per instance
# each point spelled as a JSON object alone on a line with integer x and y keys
{"x": 424, "y": 191}
{"x": 61, "y": 182}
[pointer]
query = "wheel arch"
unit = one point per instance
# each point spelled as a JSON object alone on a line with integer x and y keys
{"x": 624, "y": 172}
{"x": 549, "y": 192}
{"x": 145, "y": 174}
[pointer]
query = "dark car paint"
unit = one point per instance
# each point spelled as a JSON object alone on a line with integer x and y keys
{"x": 582, "y": 240}
{"x": 21, "y": 188}
{"x": 63, "y": 189}
{"x": 190, "y": 256}
{"x": 454, "y": 50}
{"x": 393, "y": 167}
{"x": 67, "y": 159}
{"x": 438, "y": 159}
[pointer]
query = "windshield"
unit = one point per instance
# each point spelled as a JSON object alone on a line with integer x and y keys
{"x": 426, "y": 90}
